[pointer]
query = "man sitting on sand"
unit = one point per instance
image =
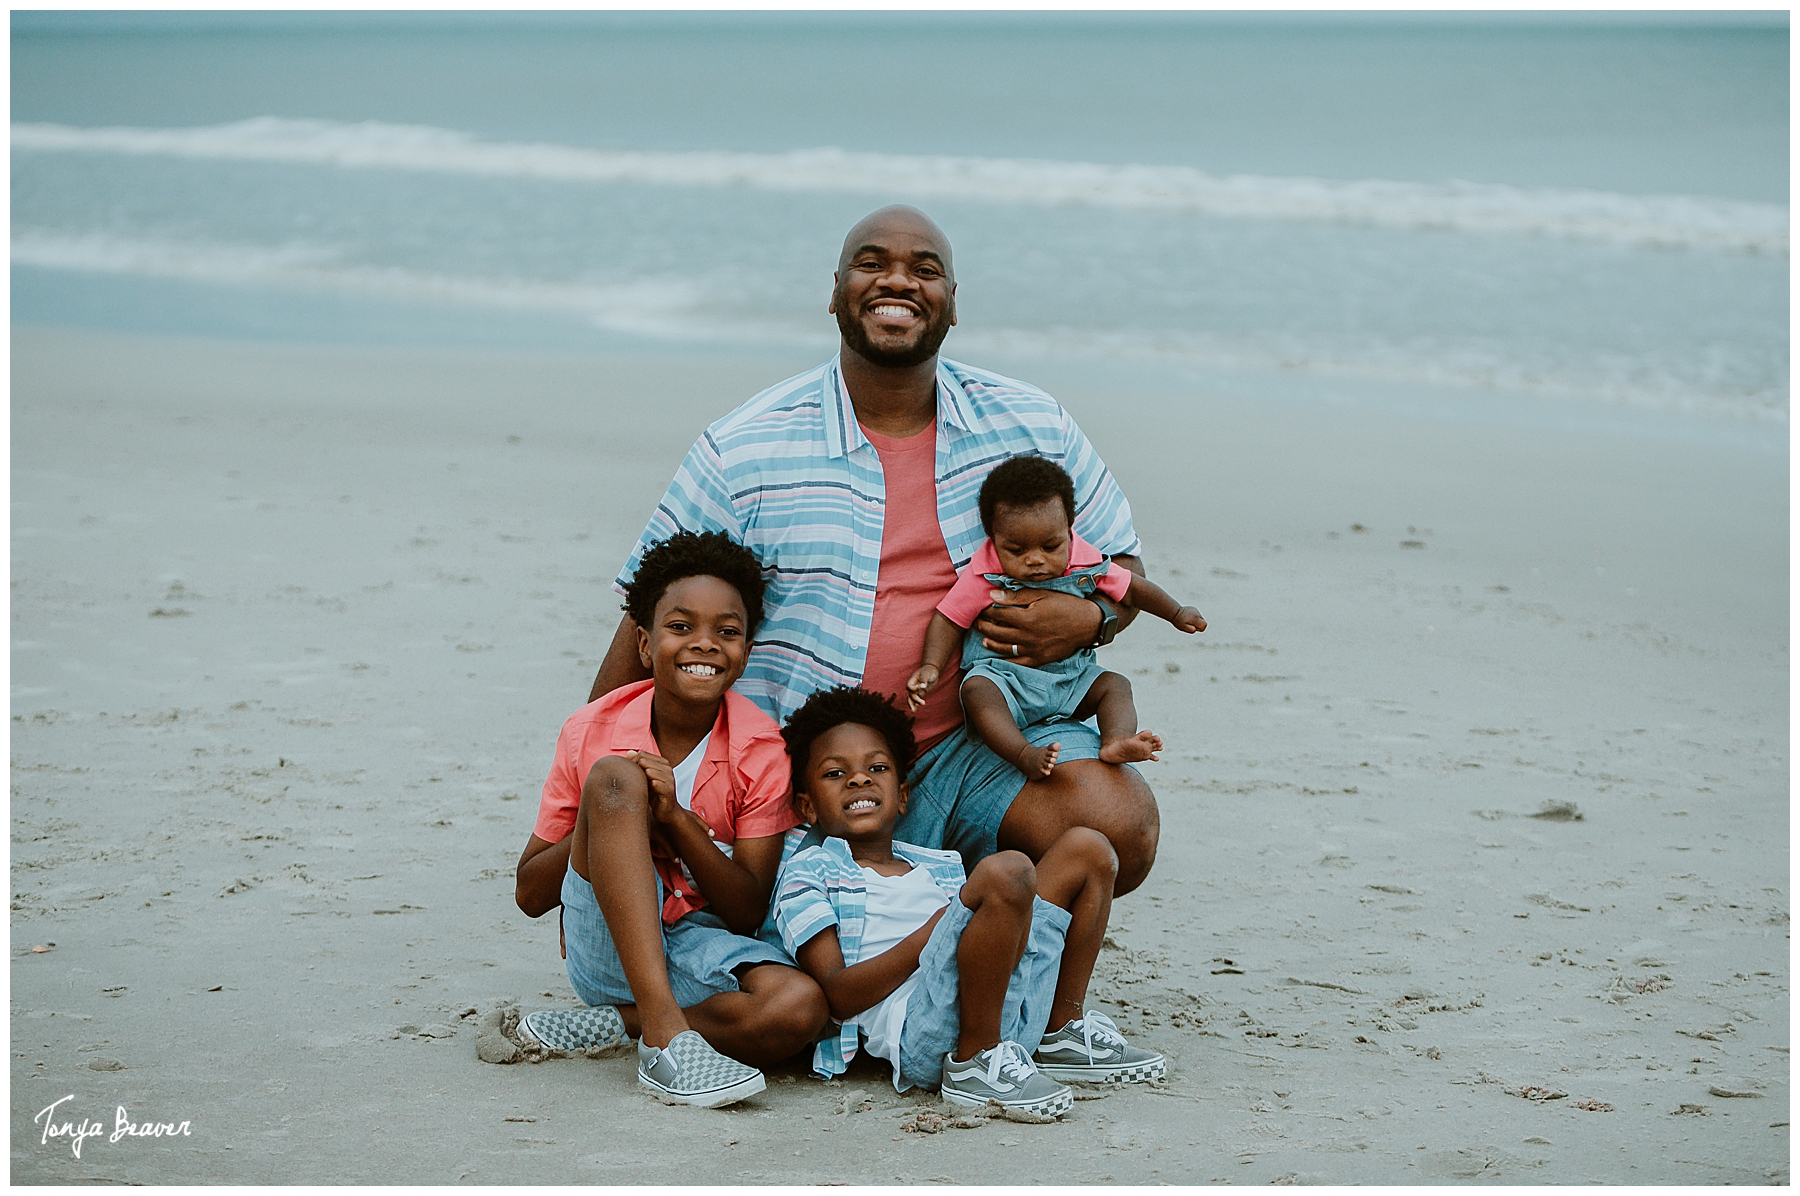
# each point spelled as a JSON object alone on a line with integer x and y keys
{"x": 855, "y": 484}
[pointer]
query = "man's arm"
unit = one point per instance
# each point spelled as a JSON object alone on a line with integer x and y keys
{"x": 1047, "y": 625}
{"x": 622, "y": 665}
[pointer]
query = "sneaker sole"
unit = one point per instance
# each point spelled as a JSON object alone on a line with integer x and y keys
{"x": 1050, "y": 1106}
{"x": 749, "y": 1086}
{"x": 1100, "y": 1073}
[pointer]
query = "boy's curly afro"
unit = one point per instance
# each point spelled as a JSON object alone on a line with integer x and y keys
{"x": 848, "y": 704}
{"x": 1025, "y": 481}
{"x": 695, "y": 554}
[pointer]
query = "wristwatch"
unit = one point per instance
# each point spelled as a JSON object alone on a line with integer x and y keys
{"x": 1109, "y": 620}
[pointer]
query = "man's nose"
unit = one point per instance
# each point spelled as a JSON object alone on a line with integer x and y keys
{"x": 898, "y": 278}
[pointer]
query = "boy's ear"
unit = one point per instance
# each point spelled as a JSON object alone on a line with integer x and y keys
{"x": 643, "y": 646}
{"x": 803, "y": 804}
{"x": 905, "y": 793}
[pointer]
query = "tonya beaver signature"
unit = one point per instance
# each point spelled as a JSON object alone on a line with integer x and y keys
{"x": 123, "y": 1127}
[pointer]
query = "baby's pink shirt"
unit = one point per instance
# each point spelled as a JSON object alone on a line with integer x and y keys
{"x": 740, "y": 792}
{"x": 971, "y": 593}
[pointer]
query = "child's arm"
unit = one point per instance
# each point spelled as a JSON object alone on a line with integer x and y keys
{"x": 850, "y": 990}
{"x": 942, "y": 638}
{"x": 1147, "y": 596}
{"x": 736, "y": 886}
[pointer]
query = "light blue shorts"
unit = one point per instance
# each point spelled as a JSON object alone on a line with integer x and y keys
{"x": 701, "y": 953}
{"x": 933, "y": 1017}
{"x": 961, "y": 789}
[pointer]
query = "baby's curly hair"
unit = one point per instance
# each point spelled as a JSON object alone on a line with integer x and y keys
{"x": 695, "y": 554}
{"x": 1025, "y": 481}
{"x": 848, "y": 704}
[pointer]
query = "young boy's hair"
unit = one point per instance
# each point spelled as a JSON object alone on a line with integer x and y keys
{"x": 848, "y": 704}
{"x": 695, "y": 554}
{"x": 1025, "y": 481}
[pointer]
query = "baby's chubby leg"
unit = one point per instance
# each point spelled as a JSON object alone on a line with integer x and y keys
{"x": 1109, "y": 703}
{"x": 986, "y": 710}
{"x": 999, "y": 895}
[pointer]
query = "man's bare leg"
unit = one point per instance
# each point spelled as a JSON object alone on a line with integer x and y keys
{"x": 985, "y": 709}
{"x": 1109, "y": 798}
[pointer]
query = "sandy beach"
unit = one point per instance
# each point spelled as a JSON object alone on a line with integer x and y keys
{"x": 1474, "y": 859}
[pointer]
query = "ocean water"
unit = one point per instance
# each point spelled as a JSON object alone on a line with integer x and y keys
{"x": 1587, "y": 212}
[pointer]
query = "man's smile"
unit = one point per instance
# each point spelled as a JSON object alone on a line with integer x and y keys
{"x": 887, "y": 309}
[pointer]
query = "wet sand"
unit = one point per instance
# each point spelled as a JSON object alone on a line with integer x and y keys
{"x": 1474, "y": 858}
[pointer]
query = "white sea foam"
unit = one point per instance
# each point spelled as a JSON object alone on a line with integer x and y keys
{"x": 1671, "y": 221}
{"x": 688, "y": 310}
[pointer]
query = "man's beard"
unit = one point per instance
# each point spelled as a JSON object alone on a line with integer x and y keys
{"x": 922, "y": 350}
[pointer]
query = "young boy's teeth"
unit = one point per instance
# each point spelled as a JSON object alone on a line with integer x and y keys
{"x": 864, "y": 804}
{"x": 700, "y": 670}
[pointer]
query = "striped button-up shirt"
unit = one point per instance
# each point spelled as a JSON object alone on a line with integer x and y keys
{"x": 791, "y": 476}
{"x": 822, "y": 886}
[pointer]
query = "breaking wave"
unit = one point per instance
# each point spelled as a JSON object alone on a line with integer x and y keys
{"x": 1671, "y": 221}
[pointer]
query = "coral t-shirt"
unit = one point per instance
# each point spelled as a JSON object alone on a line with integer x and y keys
{"x": 914, "y": 576}
{"x": 973, "y": 592}
{"x": 740, "y": 790}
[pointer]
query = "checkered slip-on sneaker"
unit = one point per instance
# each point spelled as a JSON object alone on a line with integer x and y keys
{"x": 1090, "y": 1050}
{"x": 689, "y": 1072}
{"x": 1004, "y": 1074}
{"x": 574, "y": 1029}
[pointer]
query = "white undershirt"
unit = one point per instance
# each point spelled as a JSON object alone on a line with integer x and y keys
{"x": 685, "y": 772}
{"x": 895, "y": 906}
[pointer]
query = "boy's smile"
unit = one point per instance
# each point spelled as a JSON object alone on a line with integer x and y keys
{"x": 851, "y": 789}
{"x": 696, "y": 646}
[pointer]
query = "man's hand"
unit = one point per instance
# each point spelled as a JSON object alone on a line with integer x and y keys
{"x": 919, "y": 684}
{"x": 1045, "y": 625}
{"x": 1189, "y": 620}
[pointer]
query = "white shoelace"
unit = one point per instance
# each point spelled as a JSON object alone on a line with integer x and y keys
{"x": 1097, "y": 1027}
{"x": 1009, "y": 1060}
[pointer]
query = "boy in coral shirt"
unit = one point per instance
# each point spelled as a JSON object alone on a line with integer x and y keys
{"x": 660, "y": 832}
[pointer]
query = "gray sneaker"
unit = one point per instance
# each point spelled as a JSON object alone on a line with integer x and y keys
{"x": 689, "y": 1072}
{"x": 574, "y": 1029}
{"x": 1090, "y": 1050}
{"x": 1005, "y": 1075}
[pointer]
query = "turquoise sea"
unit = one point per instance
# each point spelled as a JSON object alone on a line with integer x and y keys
{"x": 1570, "y": 212}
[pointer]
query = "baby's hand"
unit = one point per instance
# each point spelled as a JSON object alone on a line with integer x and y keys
{"x": 919, "y": 684}
{"x": 1189, "y": 620}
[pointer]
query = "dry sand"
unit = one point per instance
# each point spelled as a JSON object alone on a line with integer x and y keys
{"x": 293, "y": 631}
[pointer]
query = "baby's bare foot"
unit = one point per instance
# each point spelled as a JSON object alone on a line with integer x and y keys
{"x": 1128, "y": 749}
{"x": 1038, "y": 761}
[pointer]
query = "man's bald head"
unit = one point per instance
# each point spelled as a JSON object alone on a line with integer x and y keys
{"x": 875, "y": 228}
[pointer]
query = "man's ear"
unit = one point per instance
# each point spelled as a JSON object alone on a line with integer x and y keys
{"x": 953, "y": 305}
{"x": 831, "y": 308}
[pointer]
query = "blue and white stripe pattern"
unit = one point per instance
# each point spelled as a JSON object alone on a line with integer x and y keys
{"x": 821, "y": 886}
{"x": 791, "y": 476}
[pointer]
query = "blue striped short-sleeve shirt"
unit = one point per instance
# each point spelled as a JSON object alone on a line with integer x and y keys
{"x": 791, "y": 476}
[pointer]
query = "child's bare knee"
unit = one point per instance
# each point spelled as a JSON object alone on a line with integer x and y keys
{"x": 613, "y": 785}
{"x": 1008, "y": 875}
{"x": 1095, "y": 850}
{"x": 792, "y": 1010}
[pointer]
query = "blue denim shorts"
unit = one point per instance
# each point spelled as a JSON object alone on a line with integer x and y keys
{"x": 933, "y": 1016}
{"x": 700, "y": 951}
{"x": 961, "y": 789}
